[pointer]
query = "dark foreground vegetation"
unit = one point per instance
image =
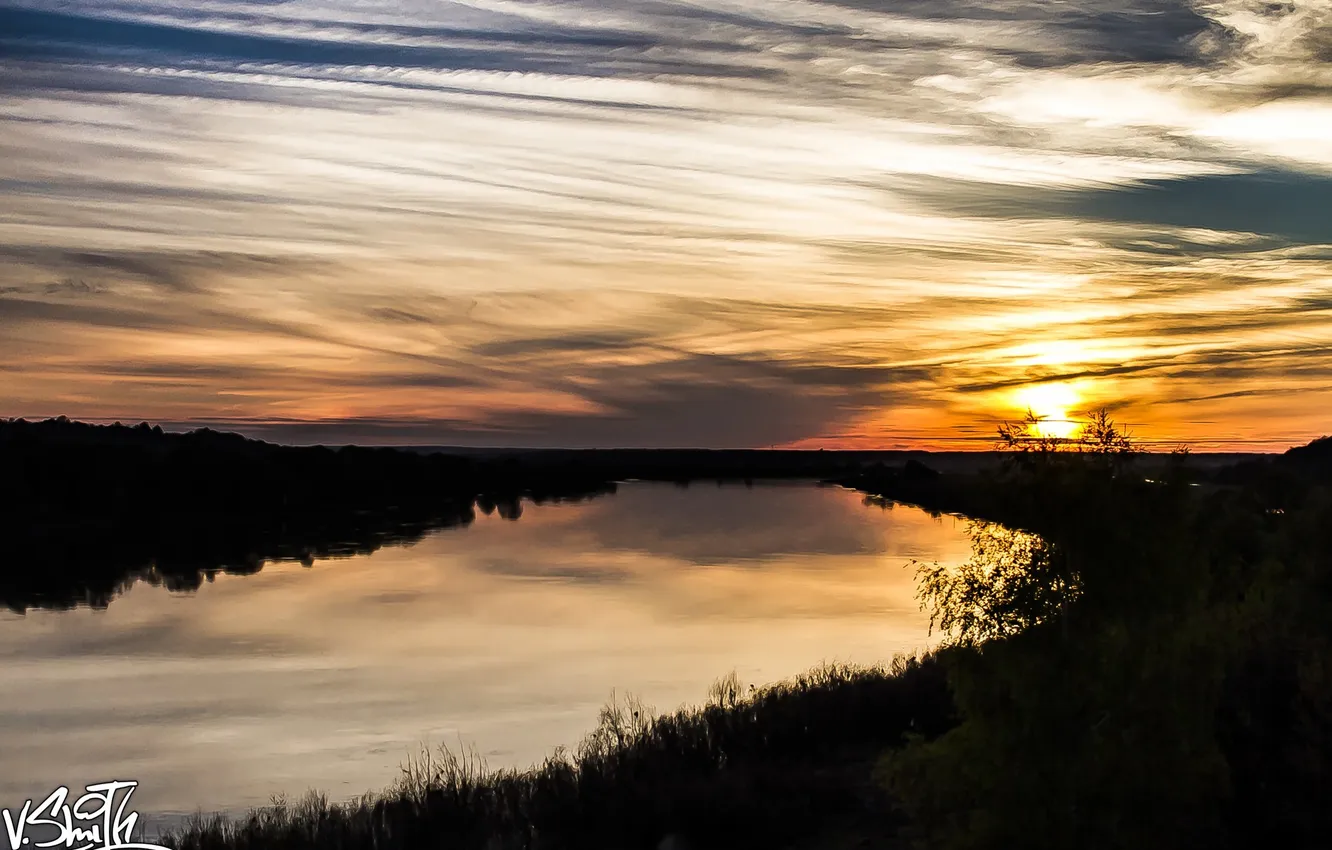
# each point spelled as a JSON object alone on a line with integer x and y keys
{"x": 787, "y": 765}
{"x": 1153, "y": 670}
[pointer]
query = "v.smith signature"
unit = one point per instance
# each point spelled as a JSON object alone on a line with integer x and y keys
{"x": 95, "y": 821}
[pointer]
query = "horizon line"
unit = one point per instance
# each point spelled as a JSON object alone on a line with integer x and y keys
{"x": 966, "y": 444}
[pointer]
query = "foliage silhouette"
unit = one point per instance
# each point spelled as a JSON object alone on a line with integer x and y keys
{"x": 86, "y": 510}
{"x": 1153, "y": 673}
{"x": 1009, "y": 584}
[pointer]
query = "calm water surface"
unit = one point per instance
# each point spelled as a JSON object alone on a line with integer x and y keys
{"x": 504, "y": 636}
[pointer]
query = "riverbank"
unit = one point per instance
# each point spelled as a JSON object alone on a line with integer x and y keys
{"x": 786, "y": 765}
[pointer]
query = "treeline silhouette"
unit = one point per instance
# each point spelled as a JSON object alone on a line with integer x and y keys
{"x": 59, "y": 469}
{"x": 1151, "y": 668}
{"x": 987, "y": 490}
{"x": 683, "y": 466}
{"x": 86, "y": 510}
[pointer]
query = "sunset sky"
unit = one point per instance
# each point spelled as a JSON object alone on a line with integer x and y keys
{"x": 865, "y": 223}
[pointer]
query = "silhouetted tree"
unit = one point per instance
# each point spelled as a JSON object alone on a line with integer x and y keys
{"x": 1152, "y": 672}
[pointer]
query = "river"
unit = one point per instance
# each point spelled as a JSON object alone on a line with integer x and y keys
{"x": 504, "y": 637}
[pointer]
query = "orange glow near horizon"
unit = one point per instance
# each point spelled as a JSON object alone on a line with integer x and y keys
{"x": 672, "y": 242}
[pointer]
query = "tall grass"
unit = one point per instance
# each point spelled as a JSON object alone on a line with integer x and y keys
{"x": 752, "y": 767}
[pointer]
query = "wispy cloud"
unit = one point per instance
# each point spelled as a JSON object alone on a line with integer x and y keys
{"x": 666, "y": 222}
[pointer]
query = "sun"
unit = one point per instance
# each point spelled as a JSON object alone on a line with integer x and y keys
{"x": 1051, "y": 403}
